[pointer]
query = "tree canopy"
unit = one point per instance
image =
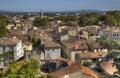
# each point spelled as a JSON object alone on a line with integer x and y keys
{"x": 108, "y": 43}
{"x": 88, "y": 19}
{"x": 110, "y": 18}
{"x": 4, "y": 18}
{"x": 23, "y": 69}
{"x": 67, "y": 18}
{"x": 25, "y": 17}
{"x": 38, "y": 22}
{"x": 3, "y": 29}
{"x": 35, "y": 41}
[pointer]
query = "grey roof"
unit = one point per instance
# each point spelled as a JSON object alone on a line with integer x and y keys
{"x": 9, "y": 41}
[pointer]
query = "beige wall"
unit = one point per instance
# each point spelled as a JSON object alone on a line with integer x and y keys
{"x": 72, "y": 32}
{"x": 27, "y": 47}
{"x": 65, "y": 37}
{"x": 77, "y": 74}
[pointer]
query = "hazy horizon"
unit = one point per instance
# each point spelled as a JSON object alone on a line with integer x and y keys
{"x": 59, "y": 5}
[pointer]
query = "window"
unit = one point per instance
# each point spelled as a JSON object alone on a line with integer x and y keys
{"x": 114, "y": 34}
{"x": 117, "y": 34}
{"x": 53, "y": 50}
{"x": 29, "y": 56}
{"x": 3, "y": 49}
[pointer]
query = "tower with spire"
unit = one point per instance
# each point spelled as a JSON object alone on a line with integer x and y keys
{"x": 41, "y": 13}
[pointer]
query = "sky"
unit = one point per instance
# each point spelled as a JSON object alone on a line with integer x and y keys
{"x": 59, "y": 5}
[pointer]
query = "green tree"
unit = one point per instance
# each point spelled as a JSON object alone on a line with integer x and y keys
{"x": 67, "y": 18}
{"x": 88, "y": 19}
{"x": 108, "y": 43}
{"x": 82, "y": 21}
{"x": 4, "y": 18}
{"x": 3, "y": 29}
{"x": 113, "y": 18}
{"x": 38, "y": 22}
{"x": 35, "y": 41}
{"x": 23, "y": 69}
{"x": 47, "y": 76}
{"x": 103, "y": 20}
{"x": 25, "y": 17}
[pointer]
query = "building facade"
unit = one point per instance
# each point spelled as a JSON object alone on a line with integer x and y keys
{"x": 12, "y": 48}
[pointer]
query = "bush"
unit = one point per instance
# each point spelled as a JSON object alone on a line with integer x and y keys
{"x": 87, "y": 63}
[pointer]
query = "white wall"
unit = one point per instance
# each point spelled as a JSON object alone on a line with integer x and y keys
{"x": 112, "y": 35}
{"x": 15, "y": 49}
{"x": 19, "y": 50}
{"x": 52, "y": 53}
{"x": 73, "y": 53}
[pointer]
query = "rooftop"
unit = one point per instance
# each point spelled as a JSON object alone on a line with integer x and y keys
{"x": 27, "y": 43}
{"x": 93, "y": 55}
{"x": 112, "y": 29}
{"x": 108, "y": 66}
{"x": 15, "y": 32}
{"x": 72, "y": 68}
{"x": 9, "y": 41}
{"x": 67, "y": 70}
{"x": 69, "y": 62}
{"x": 49, "y": 44}
{"x": 75, "y": 44}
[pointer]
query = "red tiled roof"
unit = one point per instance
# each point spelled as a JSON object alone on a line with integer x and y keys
{"x": 67, "y": 70}
{"x": 69, "y": 62}
{"x": 88, "y": 71}
{"x": 72, "y": 68}
{"x": 108, "y": 66}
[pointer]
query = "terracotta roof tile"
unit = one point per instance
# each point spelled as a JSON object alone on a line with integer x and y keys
{"x": 67, "y": 70}
{"x": 69, "y": 62}
{"x": 93, "y": 55}
{"x": 72, "y": 68}
{"x": 108, "y": 66}
{"x": 88, "y": 71}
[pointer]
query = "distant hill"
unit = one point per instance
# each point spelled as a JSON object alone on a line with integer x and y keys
{"x": 76, "y": 11}
{"x": 5, "y": 11}
{"x": 11, "y": 12}
{"x": 85, "y": 11}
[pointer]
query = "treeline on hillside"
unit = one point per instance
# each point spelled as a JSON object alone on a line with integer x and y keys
{"x": 110, "y": 18}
